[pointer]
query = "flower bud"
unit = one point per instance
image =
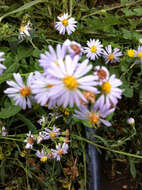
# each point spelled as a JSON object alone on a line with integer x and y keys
{"x": 130, "y": 121}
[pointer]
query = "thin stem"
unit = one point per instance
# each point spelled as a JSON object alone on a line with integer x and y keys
{"x": 105, "y": 148}
{"x": 112, "y": 8}
{"x": 70, "y": 7}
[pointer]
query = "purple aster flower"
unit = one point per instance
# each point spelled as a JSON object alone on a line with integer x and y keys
{"x": 60, "y": 150}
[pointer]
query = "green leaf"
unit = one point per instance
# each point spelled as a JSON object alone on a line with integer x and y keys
{"x": 22, "y": 8}
{"x": 9, "y": 111}
{"x": 12, "y": 68}
{"x": 128, "y": 92}
{"x": 30, "y": 125}
{"x": 5, "y": 77}
{"x": 132, "y": 168}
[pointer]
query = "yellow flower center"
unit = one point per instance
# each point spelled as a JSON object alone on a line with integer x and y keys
{"x": 65, "y": 22}
{"x": 60, "y": 152}
{"x": 93, "y": 49}
{"x": 93, "y": 118}
{"x": 131, "y": 53}
{"x": 43, "y": 159}
{"x": 22, "y": 28}
{"x": 139, "y": 55}
{"x": 26, "y": 91}
{"x": 106, "y": 87}
{"x": 110, "y": 56}
{"x": 52, "y": 135}
{"x": 70, "y": 82}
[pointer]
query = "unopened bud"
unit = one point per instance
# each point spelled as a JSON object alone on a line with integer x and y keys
{"x": 130, "y": 121}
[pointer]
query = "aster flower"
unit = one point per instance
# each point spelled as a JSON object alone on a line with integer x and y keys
{"x": 42, "y": 155}
{"x": 73, "y": 48}
{"x": 110, "y": 91}
{"x": 131, "y": 53}
{"x": 70, "y": 80}
{"x": 2, "y": 67}
{"x": 97, "y": 114}
{"x": 40, "y": 88}
{"x": 20, "y": 92}
{"x": 29, "y": 141}
{"x": 94, "y": 49}
{"x": 52, "y": 56}
{"x": 101, "y": 74}
{"x": 50, "y": 134}
{"x": 66, "y": 24}
{"x": 139, "y": 53}
{"x": 60, "y": 150}
{"x": 24, "y": 31}
{"x": 110, "y": 55}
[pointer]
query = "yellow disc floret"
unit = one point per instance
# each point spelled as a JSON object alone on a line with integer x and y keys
{"x": 65, "y": 22}
{"x": 93, "y": 49}
{"x": 60, "y": 152}
{"x": 110, "y": 56}
{"x": 52, "y": 135}
{"x": 25, "y": 91}
{"x": 22, "y": 28}
{"x": 139, "y": 55}
{"x": 70, "y": 82}
{"x": 131, "y": 53}
{"x": 43, "y": 159}
{"x": 93, "y": 118}
{"x": 106, "y": 87}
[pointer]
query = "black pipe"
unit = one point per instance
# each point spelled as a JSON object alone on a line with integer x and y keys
{"x": 93, "y": 165}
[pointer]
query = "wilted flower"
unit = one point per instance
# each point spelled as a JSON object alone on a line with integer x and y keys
{"x": 20, "y": 92}
{"x": 73, "y": 48}
{"x": 94, "y": 49}
{"x": 101, "y": 74}
{"x": 29, "y": 140}
{"x": 130, "y": 121}
{"x": 66, "y": 24}
{"x": 111, "y": 56}
{"x": 60, "y": 150}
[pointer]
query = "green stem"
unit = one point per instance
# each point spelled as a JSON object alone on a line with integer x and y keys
{"x": 70, "y": 7}
{"x": 105, "y": 148}
{"x": 12, "y": 139}
{"x": 112, "y": 8}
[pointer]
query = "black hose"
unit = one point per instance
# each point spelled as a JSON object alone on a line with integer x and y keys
{"x": 93, "y": 169}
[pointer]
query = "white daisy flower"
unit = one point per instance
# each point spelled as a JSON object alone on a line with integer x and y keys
{"x": 29, "y": 141}
{"x": 40, "y": 88}
{"x": 94, "y": 49}
{"x": 60, "y": 150}
{"x": 111, "y": 56}
{"x": 42, "y": 155}
{"x": 70, "y": 80}
{"x": 101, "y": 74}
{"x": 52, "y": 56}
{"x": 50, "y": 134}
{"x": 20, "y": 92}
{"x": 97, "y": 114}
{"x": 2, "y": 67}
{"x": 110, "y": 91}
{"x": 73, "y": 48}
{"x": 66, "y": 24}
{"x": 24, "y": 32}
{"x": 139, "y": 53}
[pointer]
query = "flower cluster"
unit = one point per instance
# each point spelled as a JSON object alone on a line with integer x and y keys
{"x": 66, "y": 82}
{"x": 48, "y": 153}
